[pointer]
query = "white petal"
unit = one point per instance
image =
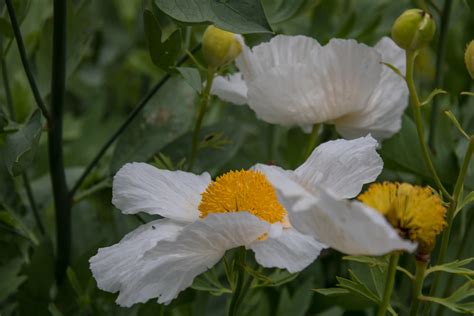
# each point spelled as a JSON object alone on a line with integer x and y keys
{"x": 171, "y": 266}
{"x": 281, "y": 50}
{"x": 288, "y": 250}
{"x": 231, "y": 88}
{"x": 140, "y": 187}
{"x": 291, "y": 194}
{"x": 382, "y": 116}
{"x": 112, "y": 265}
{"x": 341, "y": 166}
{"x": 349, "y": 227}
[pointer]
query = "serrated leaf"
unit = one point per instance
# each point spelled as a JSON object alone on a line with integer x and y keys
{"x": 433, "y": 93}
{"x": 357, "y": 287}
{"x": 455, "y": 267}
{"x": 192, "y": 77}
{"x": 11, "y": 280}
{"x": 454, "y": 301}
{"x": 238, "y": 16}
{"x": 20, "y": 146}
{"x": 162, "y": 53}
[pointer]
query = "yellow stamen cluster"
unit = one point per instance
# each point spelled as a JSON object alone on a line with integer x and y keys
{"x": 244, "y": 190}
{"x": 417, "y": 212}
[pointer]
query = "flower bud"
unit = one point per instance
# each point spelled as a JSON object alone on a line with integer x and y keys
{"x": 469, "y": 58}
{"x": 413, "y": 30}
{"x": 220, "y": 47}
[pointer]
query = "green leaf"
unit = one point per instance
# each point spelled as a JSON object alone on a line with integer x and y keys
{"x": 163, "y": 121}
{"x": 282, "y": 10}
{"x": 238, "y": 16}
{"x": 454, "y": 301}
{"x": 456, "y": 123}
{"x": 471, "y": 94}
{"x": 20, "y": 147}
{"x": 332, "y": 291}
{"x": 354, "y": 284}
{"x": 455, "y": 267}
{"x": 10, "y": 278}
{"x": 163, "y": 54}
{"x": 5, "y": 28}
{"x": 3, "y": 120}
{"x": 192, "y": 77}
{"x": 394, "y": 69}
{"x": 433, "y": 93}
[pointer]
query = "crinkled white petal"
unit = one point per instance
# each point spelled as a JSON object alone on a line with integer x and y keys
{"x": 280, "y": 51}
{"x": 231, "y": 88}
{"x": 140, "y": 187}
{"x": 171, "y": 266}
{"x": 113, "y": 265}
{"x": 291, "y": 194}
{"x": 288, "y": 250}
{"x": 349, "y": 227}
{"x": 341, "y": 166}
{"x": 382, "y": 115}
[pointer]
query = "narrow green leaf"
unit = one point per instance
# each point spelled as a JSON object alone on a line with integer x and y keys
{"x": 471, "y": 94}
{"x": 192, "y": 77}
{"x": 455, "y": 267}
{"x": 163, "y": 54}
{"x": 465, "y": 201}
{"x": 20, "y": 147}
{"x": 332, "y": 291}
{"x": 456, "y": 123}
{"x": 433, "y": 93}
{"x": 238, "y": 16}
{"x": 394, "y": 69}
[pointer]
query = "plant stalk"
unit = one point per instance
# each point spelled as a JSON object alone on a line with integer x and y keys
{"x": 440, "y": 57}
{"x": 241, "y": 286}
{"x": 62, "y": 203}
{"x": 312, "y": 140}
{"x": 418, "y": 286}
{"x": 389, "y": 283}
{"x": 202, "y": 107}
{"x": 24, "y": 60}
{"x": 415, "y": 105}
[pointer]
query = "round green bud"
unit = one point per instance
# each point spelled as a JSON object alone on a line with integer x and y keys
{"x": 220, "y": 47}
{"x": 469, "y": 58}
{"x": 413, "y": 30}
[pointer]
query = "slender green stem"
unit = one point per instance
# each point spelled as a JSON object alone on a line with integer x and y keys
{"x": 202, "y": 107}
{"x": 242, "y": 284}
{"x": 124, "y": 126}
{"x": 440, "y": 57}
{"x": 62, "y": 203}
{"x": 24, "y": 60}
{"x": 418, "y": 286}
{"x": 450, "y": 217}
{"x": 312, "y": 140}
{"x": 389, "y": 283}
{"x": 415, "y": 105}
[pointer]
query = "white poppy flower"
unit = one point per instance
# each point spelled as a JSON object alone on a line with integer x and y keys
{"x": 204, "y": 218}
{"x": 293, "y": 80}
{"x": 314, "y": 196}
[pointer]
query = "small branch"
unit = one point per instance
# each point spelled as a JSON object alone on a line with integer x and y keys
{"x": 31, "y": 200}
{"x": 124, "y": 126}
{"x": 440, "y": 57}
{"x": 24, "y": 60}
{"x": 62, "y": 202}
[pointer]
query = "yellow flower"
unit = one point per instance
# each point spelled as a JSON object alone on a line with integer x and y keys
{"x": 416, "y": 212}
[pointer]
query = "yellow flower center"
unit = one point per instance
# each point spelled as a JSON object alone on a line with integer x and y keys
{"x": 244, "y": 190}
{"x": 417, "y": 212}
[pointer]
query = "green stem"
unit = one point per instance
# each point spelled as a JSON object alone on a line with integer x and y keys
{"x": 24, "y": 60}
{"x": 389, "y": 283}
{"x": 415, "y": 105}
{"x": 8, "y": 93}
{"x": 450, "y": 217}
{"x": 312, "y": 140}
{"x": 242, "y": 284}
{"x": 124, "y": 126}
{"x": 440, "y": 57}
{"x": 62, "y": 203}
{"x": 202, "y": 107}
{"x": 418, "y": 286}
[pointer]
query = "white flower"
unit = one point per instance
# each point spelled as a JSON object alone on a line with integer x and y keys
{"x": 293, "y": 80}
{"x": 315, "y": 197}
{"x": 204, "y": 218}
